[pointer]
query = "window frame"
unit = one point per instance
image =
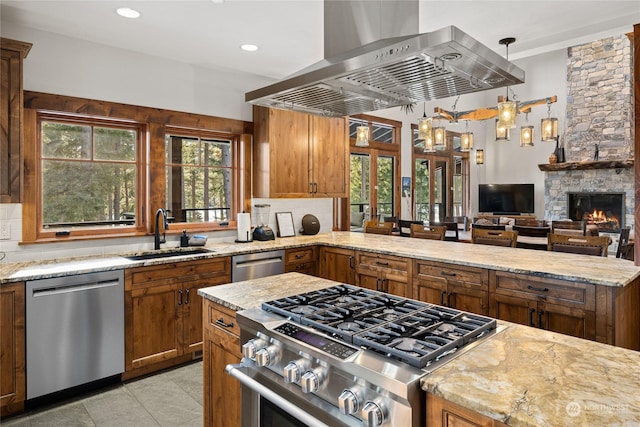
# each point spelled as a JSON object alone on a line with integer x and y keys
{"x": 151, "y": 175}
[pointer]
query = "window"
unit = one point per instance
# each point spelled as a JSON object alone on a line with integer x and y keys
{"x": 199, "y": 179}
{"x": 89, "y": 173}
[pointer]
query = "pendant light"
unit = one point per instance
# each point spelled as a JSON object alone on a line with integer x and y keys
{"x": 526, "y": 134}
{"x": 507, "y": 110}
{"x": 502, "y": 133}
{"x": 362, "y": 136}
{"x": 424, "y": 126}
{"x": 466, "y": 139}
{"x": 549, "y": 126}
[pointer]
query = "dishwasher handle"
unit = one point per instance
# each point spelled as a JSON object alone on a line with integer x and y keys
{"x": 63, "y": 289}
{"x": 262, "y": 261}
{"x": 264, "y": 391}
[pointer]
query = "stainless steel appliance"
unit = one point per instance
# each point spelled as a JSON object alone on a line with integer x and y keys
{"x": 75, "y": 331}
{"x": 254, "y": 266}
{"x": 346, "y": 356}
{"x": 262, "y": 231}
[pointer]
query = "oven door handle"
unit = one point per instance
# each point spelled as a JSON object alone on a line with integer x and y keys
{"x": 236, "y": 372}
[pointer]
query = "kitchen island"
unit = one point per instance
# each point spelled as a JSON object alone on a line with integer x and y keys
{"x": 520, "y": 376}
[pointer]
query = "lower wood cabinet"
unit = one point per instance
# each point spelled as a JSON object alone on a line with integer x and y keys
{"x": 222, "y": 399}
{"x": 163, "y": 312}
{"x": 384, "y": 273}
{"x": 12, "y": 348}
{"x": 559, "y": 306}
{"x": 443, "y": 413}
{"x": 338, "y": 264}
{"x": 302, "y": 260}
{"x": 460, "y": 287}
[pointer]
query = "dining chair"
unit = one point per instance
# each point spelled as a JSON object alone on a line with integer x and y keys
{"x": 431, "y": 232}
{"x": 485, "y": 236}
{"x": 488, "y": 226}
{"x": 532, "y": 231}
{"x": 461, "y": 220}
{"x": 569, "y": 228}
{"x": 625, "y": 250}
{"x": 451, "y": 234}
{"x": 586, "y": 245}
{"x": 374, "y": 227}
{"x": 404, "y": 226}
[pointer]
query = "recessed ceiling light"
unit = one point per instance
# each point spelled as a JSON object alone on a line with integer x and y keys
{"x": 249, "y": 47}
{"x": 217, "y": 1}
{"x": 127, "y": 12}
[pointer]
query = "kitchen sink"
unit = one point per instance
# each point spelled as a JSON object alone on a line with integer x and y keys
{"x": 166, "y": 254}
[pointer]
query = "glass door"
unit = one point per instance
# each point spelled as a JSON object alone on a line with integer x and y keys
{"x": 431, "y": 196}
{"x": 385, "y": 186}
{"x": 360, "y": 172}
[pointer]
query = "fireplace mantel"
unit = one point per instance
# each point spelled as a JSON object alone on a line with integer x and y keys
{"x": 598, "y": 164}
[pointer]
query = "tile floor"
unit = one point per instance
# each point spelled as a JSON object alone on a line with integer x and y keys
{"x": 170, "y": 398}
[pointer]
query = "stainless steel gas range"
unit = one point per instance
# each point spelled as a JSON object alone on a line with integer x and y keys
{"x": 346, "y": 356}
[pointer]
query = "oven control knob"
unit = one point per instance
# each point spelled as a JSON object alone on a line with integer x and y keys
{"x": 293, "y": 370}
{"x": 350, "y": 399}
{"x": 251, "y": 347}
{"x": 312, "y": 380}
{"x": 268, "y": 356}
{"x": 373, "y": 413}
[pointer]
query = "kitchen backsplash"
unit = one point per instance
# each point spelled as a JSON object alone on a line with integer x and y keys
{"x": 11, "y": 221}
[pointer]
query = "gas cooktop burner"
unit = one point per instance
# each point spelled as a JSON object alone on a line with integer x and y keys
{"x": 410, "y": 331}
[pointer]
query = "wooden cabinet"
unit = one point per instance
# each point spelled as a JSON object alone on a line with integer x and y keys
{"x": 12, "y": 348}
{"x": 11, "y": 106}
{"x": 384, "y": 273}
{"x": 302, "y": 260}
{"x": 163, "y": 311}
{"x": 460, "y": 287}
{"x": 222, "y": 399}
{"x": 443, "y": 413}
{"x": 554, "y": 305}
{"x": 299, "y": 155}
{"x": 338, "y": 264}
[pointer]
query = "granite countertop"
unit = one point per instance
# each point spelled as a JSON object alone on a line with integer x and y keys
{"x": 524, "y": 376}
{"x": 252, "y": 293}
{"x": 606, "y": 271}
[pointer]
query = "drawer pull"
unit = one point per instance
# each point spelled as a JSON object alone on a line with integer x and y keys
{"x": 222, "y": 323}
{"x": 533, "y": 288}
{"x": 301, "y": 266}
{"x": 446, "y": 273}
{"x": 385, "y": 264}
{"x": 298, "y": 256}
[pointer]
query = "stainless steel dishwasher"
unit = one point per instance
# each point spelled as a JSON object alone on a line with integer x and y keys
{"x": 75, "y": 331}
{"x": 254, "y": 266}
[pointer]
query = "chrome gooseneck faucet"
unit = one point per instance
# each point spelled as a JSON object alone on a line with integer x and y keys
{"x": 165, "y": 224}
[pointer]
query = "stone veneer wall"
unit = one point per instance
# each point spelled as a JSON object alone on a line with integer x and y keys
{"x": 599, "y": 111}
{"x": 599, "y": 107}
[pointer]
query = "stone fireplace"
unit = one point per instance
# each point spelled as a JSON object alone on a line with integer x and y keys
{"x": 604, "y": 210}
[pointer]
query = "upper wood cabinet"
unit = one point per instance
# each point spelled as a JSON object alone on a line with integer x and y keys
{"x": 299, "y": 155}
{"x": 11, "y": 107}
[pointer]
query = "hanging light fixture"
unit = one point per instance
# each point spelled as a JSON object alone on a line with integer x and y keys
{"x": 362, "y": 136}
{"x": 424, "y": 126}
{"x": 466, "y": 139}
{"x": 479, "y": 156}
{"x": 507, "y": 110}
{"x": 526, "y": 134}
{"x": 549, "y": 126}
{"x": 502, "y": 133}
{"x": 440, "y": 136}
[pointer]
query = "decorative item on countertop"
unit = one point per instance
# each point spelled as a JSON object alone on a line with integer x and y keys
{"x": 184, "y": 239}
{"x": 310, "y": 225}
{"x": 197, "y": 240}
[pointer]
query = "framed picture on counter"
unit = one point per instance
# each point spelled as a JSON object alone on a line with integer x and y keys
{"x": 285, "y": 224}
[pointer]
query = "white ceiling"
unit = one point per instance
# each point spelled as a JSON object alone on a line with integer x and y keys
{"x": 290, "y": 33}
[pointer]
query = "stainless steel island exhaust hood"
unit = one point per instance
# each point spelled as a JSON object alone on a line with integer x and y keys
{"x": 387, "y": 72}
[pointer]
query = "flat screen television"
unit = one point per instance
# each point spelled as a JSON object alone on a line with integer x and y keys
{"x": 506, "y": 199}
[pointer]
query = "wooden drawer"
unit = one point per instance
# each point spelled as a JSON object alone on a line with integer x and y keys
{"x": 457, "y": 275}
{"x": 223, "y": 318}
{"x": 547, "y": 290}
{"x": 170, "y": 272}
{"x": 302, "y": 267}
{"x": 300, "y": 255}
{"x": 381, "y": 263}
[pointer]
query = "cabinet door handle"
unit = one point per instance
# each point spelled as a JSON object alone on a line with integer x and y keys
{"x": 533, "y": 288}
{"x": 315, "y": 187}
{"x": 179, "y": 296}
{"x": 352, "y": 262}
{"x": 311, "y": 187}
{"x": 447, "y": 273}
{"x": 540, "y": 314}
{"x": 531, "y": 311}
{"x": 449, "y": 299}
{"x": 186, "y": 299}
{"x": 222, "y": 323}
{"x": 384, "y": 264}
{"x": 442, "y": 298}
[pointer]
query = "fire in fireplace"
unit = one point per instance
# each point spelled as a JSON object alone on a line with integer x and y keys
{"x": 605, "y": 210}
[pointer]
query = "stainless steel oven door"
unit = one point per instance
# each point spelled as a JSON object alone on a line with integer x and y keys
{"x": 267, "y": 401}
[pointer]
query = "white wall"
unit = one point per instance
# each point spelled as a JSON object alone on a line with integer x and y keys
{"x": 67, "y": 66}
